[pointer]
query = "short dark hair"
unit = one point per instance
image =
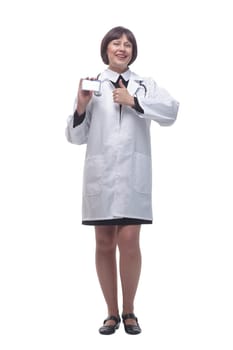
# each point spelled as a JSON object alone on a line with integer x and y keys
{"x": 116, "y": 33}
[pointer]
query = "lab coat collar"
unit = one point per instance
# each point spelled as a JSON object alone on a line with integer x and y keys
{"x": 133, "y": 78}
{"x": 113, "y": 76}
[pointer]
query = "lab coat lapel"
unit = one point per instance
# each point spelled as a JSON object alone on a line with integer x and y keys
{"x": 132, "y": 86}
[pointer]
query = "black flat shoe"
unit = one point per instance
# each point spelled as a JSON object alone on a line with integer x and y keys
{"x": 131, "y": 328}
{"x": 110, "y": 329}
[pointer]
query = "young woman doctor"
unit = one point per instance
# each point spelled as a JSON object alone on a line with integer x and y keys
{"x": 117, "y": 182}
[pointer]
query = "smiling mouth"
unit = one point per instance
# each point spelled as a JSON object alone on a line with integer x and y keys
{"x": 121, "y": 56}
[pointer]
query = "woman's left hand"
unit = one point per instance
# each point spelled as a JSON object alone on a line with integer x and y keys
{"x": 122, "y": 96}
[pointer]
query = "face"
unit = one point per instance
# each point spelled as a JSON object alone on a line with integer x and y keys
{"x": 119, "y": 53}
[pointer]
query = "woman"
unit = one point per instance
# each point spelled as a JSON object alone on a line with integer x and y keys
{"x": 117, "y": 186}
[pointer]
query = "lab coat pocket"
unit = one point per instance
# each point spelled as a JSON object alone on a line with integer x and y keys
{"x": 142, "y": 177}
{"x": 93, "y": 170}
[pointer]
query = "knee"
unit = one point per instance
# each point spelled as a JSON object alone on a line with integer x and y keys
{"x": 105, "y": 241}
{"x": 128, "y": 243}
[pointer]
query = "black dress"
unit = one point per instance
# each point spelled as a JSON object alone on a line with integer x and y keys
{"x": 120, "y": 221}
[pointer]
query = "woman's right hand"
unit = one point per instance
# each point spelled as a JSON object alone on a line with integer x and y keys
{"x": 84, "y": 96}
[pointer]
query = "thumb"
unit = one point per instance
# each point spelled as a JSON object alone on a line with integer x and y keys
{"x": 121, "y": 84}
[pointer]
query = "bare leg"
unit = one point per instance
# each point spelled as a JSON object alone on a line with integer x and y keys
{"x": 130, "y": 265}
{"x": 106, "y": 266}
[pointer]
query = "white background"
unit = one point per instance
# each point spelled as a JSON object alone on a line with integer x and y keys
{"x": 49, "y": 295}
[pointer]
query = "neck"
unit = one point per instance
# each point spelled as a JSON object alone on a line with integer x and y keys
{"x": 118, "y": 69}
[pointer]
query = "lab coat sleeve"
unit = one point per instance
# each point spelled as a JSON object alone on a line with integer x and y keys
{"x": 158, "y": 104}
{"x": 79, "y": 134}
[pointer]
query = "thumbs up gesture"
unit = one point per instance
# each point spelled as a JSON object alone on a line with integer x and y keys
{"x": 122, "y": 96}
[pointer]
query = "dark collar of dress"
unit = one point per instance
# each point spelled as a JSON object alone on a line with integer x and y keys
{"x": 116, "y": 84}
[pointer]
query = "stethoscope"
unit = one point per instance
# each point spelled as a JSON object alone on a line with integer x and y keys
{"x": 140, "y": 83}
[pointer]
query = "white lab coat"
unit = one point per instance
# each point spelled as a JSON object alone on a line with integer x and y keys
{"x": 117, "y": 180}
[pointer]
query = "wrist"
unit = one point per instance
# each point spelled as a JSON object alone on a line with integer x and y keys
{"x": 131, "y": 102}
{"x": 80, "y": 110}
